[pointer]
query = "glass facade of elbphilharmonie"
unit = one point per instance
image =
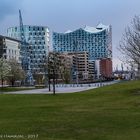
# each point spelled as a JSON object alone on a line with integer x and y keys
{"x": 97, "y": 41}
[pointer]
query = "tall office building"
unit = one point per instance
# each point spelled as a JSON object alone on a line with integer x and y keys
{"x": 38, "y": 38}
{"x": 97, "y": 41}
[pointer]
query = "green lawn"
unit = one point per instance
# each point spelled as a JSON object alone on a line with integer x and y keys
{"x": 107, "y": 113}
{"x": 10, "y": 89}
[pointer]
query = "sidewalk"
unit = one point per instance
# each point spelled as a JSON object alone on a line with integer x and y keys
{"x": 60, "y": 90}
{"x": 46, "y": 90}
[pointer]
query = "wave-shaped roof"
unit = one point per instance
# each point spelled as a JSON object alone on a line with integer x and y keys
{"x": 68, "y": 31}
{"x": 99, "y": 28}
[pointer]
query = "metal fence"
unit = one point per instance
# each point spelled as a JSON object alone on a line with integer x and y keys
{"x": 100, "y": 84}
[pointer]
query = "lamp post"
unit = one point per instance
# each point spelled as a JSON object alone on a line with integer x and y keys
{"x": 100, "y": 80}
{"x": 53, "y": 81}
{"x": 54, "y": 57}
{"x": 76, "y": 52}
{"x": 48, "y": 72}
{"x": 77, "y": 73}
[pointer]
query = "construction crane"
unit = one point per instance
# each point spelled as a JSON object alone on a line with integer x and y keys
{"x": 25, "y": 53}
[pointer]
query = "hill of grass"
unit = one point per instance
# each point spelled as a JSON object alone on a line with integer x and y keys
{"x": 11, "y": 89}
{"x": 107, "y": 113}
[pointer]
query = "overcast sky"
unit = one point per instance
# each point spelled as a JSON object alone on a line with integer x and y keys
{"x": 61, "y": 15}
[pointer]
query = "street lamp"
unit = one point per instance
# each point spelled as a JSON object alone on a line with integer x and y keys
{"x": 54, "y": 67}
{"x": 75, "y": 49}
{"x": 46, "y": 66}
{"x": 100, "y": 80}
{"x": 48, "y": 72}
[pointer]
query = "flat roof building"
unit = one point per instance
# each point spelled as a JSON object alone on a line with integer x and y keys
{"x": 106, "y": 68}
{"x": 10, "y": 48}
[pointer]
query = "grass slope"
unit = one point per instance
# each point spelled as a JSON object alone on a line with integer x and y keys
{"x": 107, "y": 113}
{"x": 11, "y": 89}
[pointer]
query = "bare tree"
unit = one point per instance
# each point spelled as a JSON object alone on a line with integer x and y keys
{"x": 130, "y": 43}
{"x": 57, "y": 69}
{"x": 52, "y": 67}
{"x": 64, "y": 69}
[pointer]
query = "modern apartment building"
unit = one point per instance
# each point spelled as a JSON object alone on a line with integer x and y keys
{"x": 38, "y": 38}
{"x": 82, "y": 68}
{"x": 97, "y": 41}
{"x": 103, "y": 68}
{"x": 10, "y": 48}
{"x": 80, "y": 64}
{"x": 92, "y": 70}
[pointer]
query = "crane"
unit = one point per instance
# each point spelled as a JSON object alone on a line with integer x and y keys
{"x": 25, "y": 53}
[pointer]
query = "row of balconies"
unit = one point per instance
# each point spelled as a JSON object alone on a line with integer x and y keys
{"x": 35, "y": 57}
{"x": 62, "y": 48}
{"x": 37, "y": 52}
{"x": 83, "y": 35}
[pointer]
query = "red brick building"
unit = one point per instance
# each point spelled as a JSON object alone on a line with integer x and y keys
{"x": 106, "y": 67}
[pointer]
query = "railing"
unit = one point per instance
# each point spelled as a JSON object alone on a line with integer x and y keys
{"x": 99, "y": 84}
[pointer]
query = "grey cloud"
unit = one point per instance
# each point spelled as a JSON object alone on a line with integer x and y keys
{"x": 8, "y": 7}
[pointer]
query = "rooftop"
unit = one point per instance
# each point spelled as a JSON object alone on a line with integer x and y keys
{"x": 9, "y": 38}
{"x": 99, "y": 28}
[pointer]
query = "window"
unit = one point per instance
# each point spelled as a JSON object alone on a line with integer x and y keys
{"x": 15, "y": 29}
{"x": 4, "y": 50}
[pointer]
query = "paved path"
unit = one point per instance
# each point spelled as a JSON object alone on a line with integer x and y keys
{"x": 46, "y": 91}
{"x": 61, "y": 89}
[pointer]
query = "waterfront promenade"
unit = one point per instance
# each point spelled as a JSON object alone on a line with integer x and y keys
{"x": 65, "y": 88}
